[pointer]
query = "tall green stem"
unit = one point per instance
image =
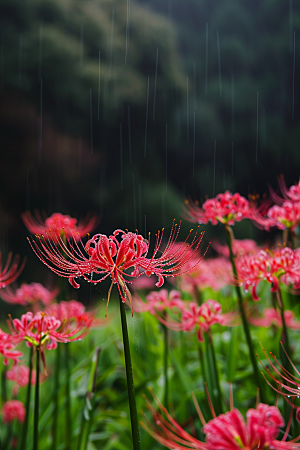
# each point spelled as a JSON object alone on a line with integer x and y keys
{"x": 166, "y": 350}
{"x": 217, "y": 378}
{"x": 68, "y": 398}
{"x": 130, "y": 386}
{"x": 56, "y": 397}
{"x": 243, "y": 315}
{"x": 27, "y": 405}
{"x": 36, "y": 402}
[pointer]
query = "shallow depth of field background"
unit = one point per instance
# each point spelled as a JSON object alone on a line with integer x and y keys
{"x": 123, "y": 109}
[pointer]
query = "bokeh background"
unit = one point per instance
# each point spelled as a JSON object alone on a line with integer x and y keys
{"x": 125, "y": 108}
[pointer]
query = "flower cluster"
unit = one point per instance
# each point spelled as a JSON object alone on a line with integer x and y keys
{"x": 225, "y": 431}
{"x": 226, "y": 208}
{"x": 59, "y": 225}
{"x": 10, "y": 272}
{"x": 272, "y": 316}
{"x": 28, "y": 294}
{"x": 280, "y": 264}
{"x": 123, "y": 256}
{"x": 19, "y": 374}
{"x": 13, "y": 409}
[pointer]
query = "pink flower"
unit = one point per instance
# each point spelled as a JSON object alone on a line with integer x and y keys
{"x": 28, "y": 294}
{"x": 10, "y": 274}
{"x": 280, "y": 264}
{"x": 239, "y": 247}
{"x": 272, "y": 316}
{"x": 285, "y": 216}
{"x": 58, "y": 225}
{"x": 202, "y": 317}
{"x": 20, "y": 375}
{"x": 227, "y": 431}
{"x": 7, "y": 347}
{"x": 157, "y": 302}
{"x": 122, "y": 256}
{"x": 292, "y": 194}
{"x": 13, "y": 409}
{"x": 226, "y": 208}
{"x": 73, "y": 313}
{"x": 215, "y": 273}
{"x": 43, "y": 330}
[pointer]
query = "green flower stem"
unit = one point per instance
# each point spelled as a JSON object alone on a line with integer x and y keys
{"x": 130, "y": 386}
{"x": 253, "y": 359}
{"x": 217, "y": 378}
{"x": 22, "y": 445}
{"x": 68, "y": 398}
{"x": 36, "y": 402}
{"x": 166, "y": 350}
{"x": 56, "y": 397}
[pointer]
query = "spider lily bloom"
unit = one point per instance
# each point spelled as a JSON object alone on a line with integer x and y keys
{"x": 203, "y": 317}
{"x": 72, "y": 313}
{"x": 10, "y": 274}
{"x": 44, "y": 331}
{"x": 215, "y": 273}
{"x": 123, "y": 256}
{"x": 28, "y": 294}
{"x": 58, "y": 225}
{"x": 292, "y": 194}
{"x": 280, "y": 264}
{"x": 159, "y": 302}
{"x": 13, "y": 409}
{"x": 285, "y": 216}
{"x": 19, "y": 374}
{"x": 271, "y": 316}
{"x": 226, "y": 208}
{"x": 7, "y": 347}
{"x": 227, "y": 431}
{"x": 288, "y": 385}
{"x": 239, "y": 247}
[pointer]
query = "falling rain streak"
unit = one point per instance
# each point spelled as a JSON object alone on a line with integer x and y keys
{"x": 194, "y": 143}
{"x": 146, "y": 127}
{"x": 1, "y": 62}
{"x": 121, "y": 156}
{"x": 134, "y": 201}
{"x": 232, "y": 105}
{"x": 214, "y": 185}
{"x": 91, "y": 123}
{"x": 127, "y": 30}
{"x": 41, "y": 120}
{"x": 219, "y": 64}
{"x": 40, "y": 52}
{"x": 206, "y": 57}
{"x": 256, "y": 152}
{"x": 294, "y": 65}
{"x": 20, "y": 60}
{"x": 99, "y": 87}
{"x": 166, "y": 157}
{"x": 111, "y": 41}
{"x": 129, "y": 134}
{"x": 155, "y": 83}
{"x": 187, "y": 109}
{"x": 232, "y": 158}
{"x": 81, "y": 44}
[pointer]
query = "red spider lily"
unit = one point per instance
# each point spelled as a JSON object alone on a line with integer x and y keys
{"x": 239, "y": 247}
{"x": 285, "y": 216}
{"x": 280, "y": 264}
{"x": 226, "y": 208}
{"x": 13, "y": 409}
{"x": 214, "y": 272}
{"x": 115, "y": 256}
{"x": 7, "y": 347}
{"x": 227, "y": 431}
{"x": 158, "y": 302}
{"x": 271, "y": 316}
{"x": 19, "y": 374}
{"x": 43, "y": 330}
{"x": 292, "y": 194}
{"x": 10, "y": 274}
{"x": 28, "y": 294}
{"x": 58, "y": 225}
{"x": 73, "y": 312}
{"x": 203, "y": 317}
